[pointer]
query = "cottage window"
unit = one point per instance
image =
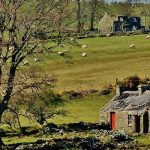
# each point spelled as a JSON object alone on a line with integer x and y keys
{"x": 129, "y": 119}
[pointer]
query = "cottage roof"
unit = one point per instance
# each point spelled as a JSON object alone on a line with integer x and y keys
{"x": 129, "y": 101}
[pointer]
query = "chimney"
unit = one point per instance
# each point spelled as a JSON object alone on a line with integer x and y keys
{"x": 143, "y": 88}
{"x": 120, "y": 90}
{"x": 140, "y": 90}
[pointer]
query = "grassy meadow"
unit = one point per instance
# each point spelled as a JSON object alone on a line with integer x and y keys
{"x": 107, "y": 59}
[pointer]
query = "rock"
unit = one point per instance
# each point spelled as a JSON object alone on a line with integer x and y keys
{"x": 21, "y": 147}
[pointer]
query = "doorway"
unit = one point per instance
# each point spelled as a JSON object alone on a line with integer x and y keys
{"x": 145, "y": 122}
{"x": 113, "y": 120}
{"x": 137, "y": 124}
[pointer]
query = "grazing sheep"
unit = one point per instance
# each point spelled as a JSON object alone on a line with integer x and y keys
{"x": 26, "y": 63}
{"x": 60, "y": 53}
{"x": 65, "y": 50}
{"x": 84, "y": 46}
{"x": 38, "y": 59}
{"x": 72, "y": 39}
{"x": 11, "y": 48}
{"x": 132, "y": 46}
{"x": 108, "y": 35}
{"x": 148, "y": 37}
{"x": 84, "y": 54}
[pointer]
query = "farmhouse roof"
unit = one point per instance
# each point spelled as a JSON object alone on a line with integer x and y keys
{"x": 129, "y": 101}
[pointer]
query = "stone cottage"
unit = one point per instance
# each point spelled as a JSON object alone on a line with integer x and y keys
{"x": 128, "y": 110}
{"x": 105, "y": 25}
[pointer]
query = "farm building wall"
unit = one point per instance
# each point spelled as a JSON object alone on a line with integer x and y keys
{"x": 123, "y": 122}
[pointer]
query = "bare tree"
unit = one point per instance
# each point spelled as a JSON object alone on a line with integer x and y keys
{"x": 22, "y": 26}
{"x": 79, "y": 16}
{"x": 93, "y": 5}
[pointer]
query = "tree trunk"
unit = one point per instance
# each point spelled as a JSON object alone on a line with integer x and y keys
{"x": 79, "y": 16}
{"x": 6, "y": 98}
{"x": 92, "y": 22}
{"x": 1, "y": 113}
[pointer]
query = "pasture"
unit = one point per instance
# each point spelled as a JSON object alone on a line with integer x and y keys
{"x": 106, "y": 60}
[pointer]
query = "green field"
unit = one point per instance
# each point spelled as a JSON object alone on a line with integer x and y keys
{"x": 107, "y": 59}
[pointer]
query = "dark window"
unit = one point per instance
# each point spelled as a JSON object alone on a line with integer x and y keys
{"x": 129, "y": 119}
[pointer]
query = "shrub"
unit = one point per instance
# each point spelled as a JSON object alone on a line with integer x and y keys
{"x": 107, "y": 89}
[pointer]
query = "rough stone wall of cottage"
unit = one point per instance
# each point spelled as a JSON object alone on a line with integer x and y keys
{"x": 142, "y": 124}
{"x": 104, "y": 117}
{"x": 122, "y": 121}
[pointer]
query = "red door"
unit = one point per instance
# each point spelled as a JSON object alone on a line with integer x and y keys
{"x": 113, "y": 120}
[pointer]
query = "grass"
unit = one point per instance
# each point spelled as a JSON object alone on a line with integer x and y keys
{"x": 86, "y": 109}
{"x": 143, "y": 139}
{"x": 107, "y": 59}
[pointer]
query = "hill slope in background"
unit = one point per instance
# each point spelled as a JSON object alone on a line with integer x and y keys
{"x": 106, "y": 60}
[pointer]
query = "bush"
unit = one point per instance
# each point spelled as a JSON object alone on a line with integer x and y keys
{"x": 107, "y": 89}
{"x": 120, "y": 137}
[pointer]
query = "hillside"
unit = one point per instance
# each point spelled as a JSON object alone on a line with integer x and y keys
{"x": 106, "y": 60}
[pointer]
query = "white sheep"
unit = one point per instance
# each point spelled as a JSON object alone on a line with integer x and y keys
{"x": 60, "y": 53}
{"x": 26, "y": 63}
{"x": 132, "y": 46}
{"x": 38, "y": 59}
{"x": 84, "y": 46}
{"x": 72, "y": 39}
{"x": 148, "y": 37}
{"x": 108, "y": 35}
{"x": 65, "y": 50}
{"x": 84, "y": 54}
{"x": 11, "y": 48}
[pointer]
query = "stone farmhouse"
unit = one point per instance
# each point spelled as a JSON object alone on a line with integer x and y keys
{"x": 109, "y": 25}
{"x": 128, "y": 110}
{"x": 126, "y": 23}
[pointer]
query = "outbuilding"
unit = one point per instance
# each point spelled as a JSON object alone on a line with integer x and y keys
{"x": 128, "y": 110}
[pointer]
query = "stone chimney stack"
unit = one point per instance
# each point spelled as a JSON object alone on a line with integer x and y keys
{"x": 140, "y": 90}
{"x": 120, "y": 90}
{"x": 143, "y": 88}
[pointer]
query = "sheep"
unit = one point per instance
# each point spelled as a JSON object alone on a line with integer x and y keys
{"x": 84, "y": 54}
{"x": 84, "y": 46}
{"x": 108, "y": 35}
{"x": 60, "y": 53}
{"x": 38, "y": 59}
{"x": 148, "y": 37}
{"x": 65, "y": 50}
{"x": 26, "y": 63}
{"x": 72, "y": 39}
{"x": 11, "y": 48}
{"x": 132, "y": 46}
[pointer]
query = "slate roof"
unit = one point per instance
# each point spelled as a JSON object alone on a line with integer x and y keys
{"x": 129, "y": 101}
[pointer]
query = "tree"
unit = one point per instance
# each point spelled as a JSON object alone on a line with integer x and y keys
{"x": 78, "y": 16}
{"x": 44, "y": 105}
{"x": 144, "y": 7}
{"x": 93, "y": 5}
{"x": 81, "y": 14}
{"x": 22, "y": 22}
